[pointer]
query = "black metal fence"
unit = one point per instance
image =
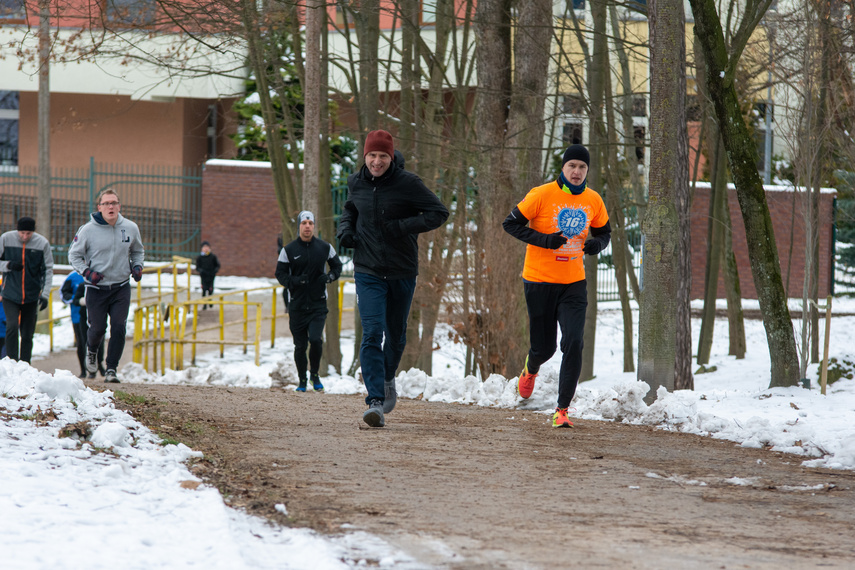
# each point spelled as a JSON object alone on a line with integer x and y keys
{"x": 165, "y": 202}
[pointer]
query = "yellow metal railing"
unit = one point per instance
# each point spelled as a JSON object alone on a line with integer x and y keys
{"x": 50, "y": 320}
{"x": 151, "y": 332}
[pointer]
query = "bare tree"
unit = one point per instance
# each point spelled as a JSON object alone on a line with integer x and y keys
{"x": 664, "y": 351}
{"x": 742, "y": 157}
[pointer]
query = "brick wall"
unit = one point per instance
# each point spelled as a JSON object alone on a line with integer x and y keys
{"x": 789, "y": 226}
{"x": 240, "y": 217}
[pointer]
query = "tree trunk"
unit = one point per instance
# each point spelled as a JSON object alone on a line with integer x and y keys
{"x": 663, "y": 353}
{"x": 743, "y": 158}
{"x": 598, "y": 75}
{"x": 735, "y": 316}
{"x": 44, "y": 175}
{"x": 715, "y": 244}
{"x": 617, "y": 221}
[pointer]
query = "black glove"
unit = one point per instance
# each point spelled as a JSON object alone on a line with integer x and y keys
{"x": 593, "y": 246}
{"x": 329, "y": 277}
{"x": 348, "y": 240}
{"x": 93, "y": 276}
{"x": 556, "y": 240}
{"x": 43, "y": 303}
{"x": 301, "y": 280}
{"x": 15, "y": 266}
{"x": 137, "y": 273}
{"x": 393, "y": 228}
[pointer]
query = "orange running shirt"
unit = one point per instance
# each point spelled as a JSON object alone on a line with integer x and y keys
{"x": 548, "y": 209}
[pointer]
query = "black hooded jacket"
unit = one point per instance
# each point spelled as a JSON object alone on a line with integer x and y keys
{"x": 383, "y": 217}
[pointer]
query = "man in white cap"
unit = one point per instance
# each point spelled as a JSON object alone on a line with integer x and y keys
{"x": 302, "y": 270}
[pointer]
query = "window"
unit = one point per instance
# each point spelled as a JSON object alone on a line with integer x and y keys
{"x": 9, "y": 113}
{"x": 639, "y": 107}
{"x": 578, "y": 4}
{"x": 572, "y": 133}
{"x": 130, "y": 12}
{"x": 428, "y": 11}
{"x": 12, "y": 9}
{"x": 638, "y": 134}
{"x": 574, "y": 105}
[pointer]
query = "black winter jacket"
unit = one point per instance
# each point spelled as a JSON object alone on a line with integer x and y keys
{"x": 302, "y": 270}
{"x": 383, "y": 217}
{"x": 207, "y": 266}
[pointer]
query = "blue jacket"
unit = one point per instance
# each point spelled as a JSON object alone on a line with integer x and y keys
{"x": 69, "y": 293}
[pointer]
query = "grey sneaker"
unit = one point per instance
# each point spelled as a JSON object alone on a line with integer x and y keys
{"x": 374, "y": 415}
{"x": 91, "y": 363}
{"x": 111, "y": 377}
{"x": 391, "y": 396}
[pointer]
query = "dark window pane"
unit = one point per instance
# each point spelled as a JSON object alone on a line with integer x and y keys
{"x": 135, "y": 12}
{"x": 9, "y": 100}
{"x": 8, "y": 142}
{"x": 572, "y": 133}
{"x": 639, "y": 107}
{"x": 11, "y": 8}
{"x": 578, "y": 4}
{"x": 574, "y": 105}
{"x": 638, "y": 134}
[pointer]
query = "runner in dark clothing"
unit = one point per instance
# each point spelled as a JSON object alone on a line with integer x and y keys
{"x": 301, "y": 269}
{"x": 208, "y": 266}
{"x": 387, "y": 207}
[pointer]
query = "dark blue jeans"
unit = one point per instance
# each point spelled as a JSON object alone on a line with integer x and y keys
{"x": 384, "y": 305}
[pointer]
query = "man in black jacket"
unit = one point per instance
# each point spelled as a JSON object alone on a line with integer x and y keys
{"x": 302, "y": 270}
{"x": 387, "y": 207}
{"x": 27, "y": 264}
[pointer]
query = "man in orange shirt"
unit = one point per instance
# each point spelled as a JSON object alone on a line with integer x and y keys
{"x": 555, "y": 220}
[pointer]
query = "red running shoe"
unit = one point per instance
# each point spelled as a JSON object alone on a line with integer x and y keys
{"x": 560, "y": 419}
{"x": 525, "y": 384}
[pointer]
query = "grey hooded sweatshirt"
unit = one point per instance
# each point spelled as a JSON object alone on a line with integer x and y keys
{"x": 110, "y": 250}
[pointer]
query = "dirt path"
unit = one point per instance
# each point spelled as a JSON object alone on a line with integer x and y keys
{"x": 467, "y": 487}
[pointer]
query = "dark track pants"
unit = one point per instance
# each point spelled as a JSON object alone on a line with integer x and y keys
{"x": 115, "y": 303}
{"x": 384, "y": 306}
{"x": 29, "y": 314}
{"x": 551, "y": 305}
{"x": 307, "y": 329}
{"x": 81, "y": 332}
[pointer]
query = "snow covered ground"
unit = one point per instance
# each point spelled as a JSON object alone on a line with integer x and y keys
{"x": 128, "y": 497}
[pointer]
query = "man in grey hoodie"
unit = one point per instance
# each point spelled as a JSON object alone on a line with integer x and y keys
{"x": 106, "y": 251}
{"x": 26, "y": 262}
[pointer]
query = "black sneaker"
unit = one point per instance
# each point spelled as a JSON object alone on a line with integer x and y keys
{"x": 111, "y": 377}
{"x": 302, "y": 386}
{"x": 91, "y": 363}
{"x": 391, "y": 396}
{"x": 374, "y": 415}
{"x": 316, "y": 383}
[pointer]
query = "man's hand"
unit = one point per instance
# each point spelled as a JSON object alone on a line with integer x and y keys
{"x": 556, "y": 240}
{"x": 15, "y": 266}
{"x": 302, "y": 280}
{"x": 348, "y": 240}
{"x": 43, "y": 303}
{"x": 93, "y": 276}
{"x": 82, "y": 301}
{"x": 137, "y": 273}
{"x": 593, "y": 247}
{"x": 329, "y": 277}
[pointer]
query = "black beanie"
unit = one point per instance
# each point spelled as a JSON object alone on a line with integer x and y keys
{"x": 576, "y": 152}
{"x": 26, "y": 224}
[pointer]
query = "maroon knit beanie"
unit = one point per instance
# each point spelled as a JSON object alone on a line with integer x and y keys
{"x": 379, "y": 141}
